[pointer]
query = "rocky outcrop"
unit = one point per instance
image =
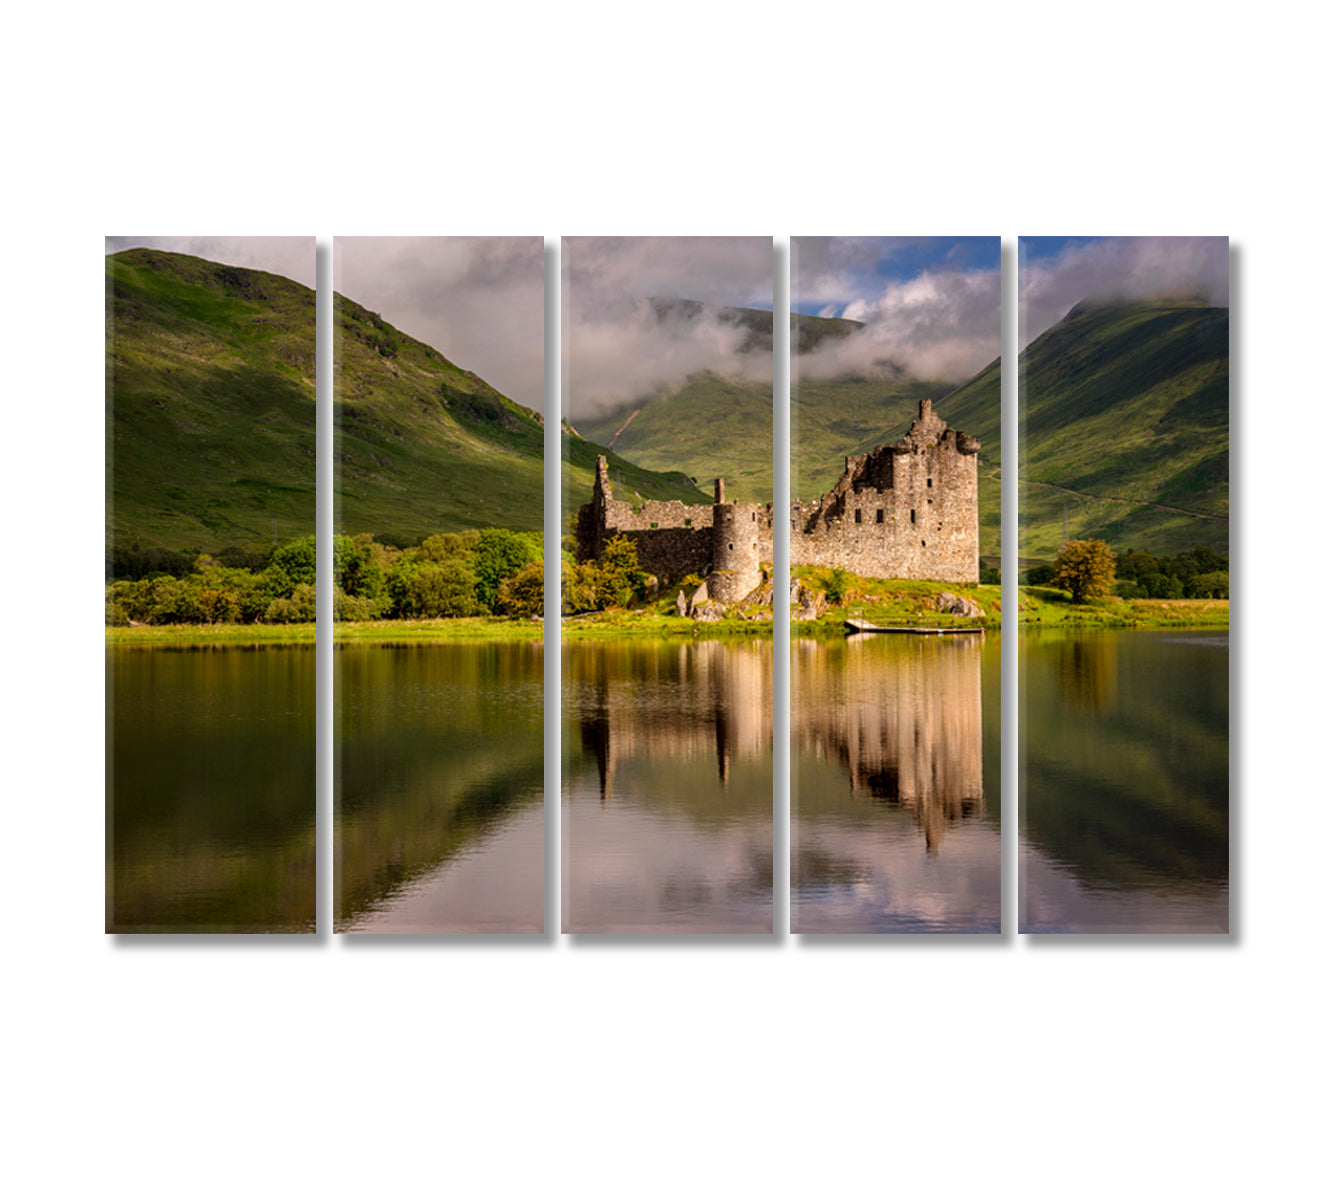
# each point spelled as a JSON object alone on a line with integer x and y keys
{"x": 959, "y": 606}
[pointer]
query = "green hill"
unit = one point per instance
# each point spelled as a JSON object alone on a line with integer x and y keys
{"x": 210, "y": 403}
{"x": 1124, "y": 429}
{"x": 211, "y": 419}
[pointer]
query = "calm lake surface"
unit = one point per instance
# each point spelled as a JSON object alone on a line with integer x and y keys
{"x": 211, "y": 789}
{"x": 667, "y": 817}
{"x": 895, "y": 785}
{"x": 438, "y": 799}
{"x": 1124, "y": 782}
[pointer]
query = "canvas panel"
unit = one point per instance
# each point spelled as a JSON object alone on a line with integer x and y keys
{"x": 210, "y": 599}
{"x": 667, "y": 615}
{"x": 1123, "y": 566}
{"x": 438, "y": 552}
{"x": 895, "y": 551}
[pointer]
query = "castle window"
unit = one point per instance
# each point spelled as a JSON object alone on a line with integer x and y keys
{"x": 687, "y": 522}
{"x": 754, "y": 517}
{"x": 794, "y": 522}
{"x": 857, "y": 516}
{"x": 923, "y": 543}
{"x": 879, "y": 516}
{"x": 729, "y": 545}
{"x": 912, "y": 515}
{"x": 928, "y": 481}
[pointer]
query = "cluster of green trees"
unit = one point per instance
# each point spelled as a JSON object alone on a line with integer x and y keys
{"x": 475, "y": 573}
{"x": 1088, "y": 569}
{"x": 616, "y": 580}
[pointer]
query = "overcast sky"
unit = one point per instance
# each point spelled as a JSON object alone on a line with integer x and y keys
{"x": 617, "y": 349}
{"x": 478, "y": 300}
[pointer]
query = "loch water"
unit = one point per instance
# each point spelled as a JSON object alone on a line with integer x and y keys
{"x": 667, "y": 787}
{"x": 210, "y": 798}
{"x": 439, "y": 824}
{"x": 1124, "y": 782}
{"x": 896, "y": 784}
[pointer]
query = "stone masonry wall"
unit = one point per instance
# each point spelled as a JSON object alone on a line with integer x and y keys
{"x": 907, "y": 511}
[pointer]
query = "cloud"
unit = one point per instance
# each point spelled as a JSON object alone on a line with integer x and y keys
{"x": 1111, "y": 269}
{"x": 619, "y": 345}
{"x": 940, "y": 322}
{"x": 478, "y": 300}
{"x": 292, "y": 257}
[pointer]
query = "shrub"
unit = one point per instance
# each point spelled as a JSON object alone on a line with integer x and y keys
{"x": 521, "y": 594}
{"x": 300, "y": 606}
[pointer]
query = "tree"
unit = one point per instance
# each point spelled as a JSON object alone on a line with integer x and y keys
{"x": 500, "y": 554}
{"x": 1086, "y": 569}
{"x": 620, "y": 577}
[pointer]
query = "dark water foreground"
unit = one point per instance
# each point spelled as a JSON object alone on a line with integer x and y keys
{"x": 895, "y": 785}
{"x": 667, "y": 805}
{"x": 438, "y": 796}
{"x": 210, "y": 789}
{"x": 1124, "y": 782}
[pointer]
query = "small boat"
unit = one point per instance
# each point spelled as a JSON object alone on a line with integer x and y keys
{"x": 858, "y": 626}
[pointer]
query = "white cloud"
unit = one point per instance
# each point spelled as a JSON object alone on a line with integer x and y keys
{"x": 618, "y": 347}
{"x": 1131, "y": 268}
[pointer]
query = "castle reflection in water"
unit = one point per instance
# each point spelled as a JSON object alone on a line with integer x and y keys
{"x": 683, "y": 702}
{"x": 903, "y": 715}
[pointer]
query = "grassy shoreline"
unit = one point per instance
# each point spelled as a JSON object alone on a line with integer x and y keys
{"x": 887, "y": 602}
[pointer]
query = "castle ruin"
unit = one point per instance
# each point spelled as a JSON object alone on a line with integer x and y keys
{"x": 906, "y": 511}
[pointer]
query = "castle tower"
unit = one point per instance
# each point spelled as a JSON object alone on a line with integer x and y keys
{"x": 737, "y": 530}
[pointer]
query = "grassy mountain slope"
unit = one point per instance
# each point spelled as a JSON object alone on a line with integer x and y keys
{"x": 423, "y": 446}
{"x": 211, "y": 419}
{"x": 1124, "y": 429}
{"x": 210, "y": 402}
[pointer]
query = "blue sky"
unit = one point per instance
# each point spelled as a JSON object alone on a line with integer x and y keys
{"x": 838, "y": 271}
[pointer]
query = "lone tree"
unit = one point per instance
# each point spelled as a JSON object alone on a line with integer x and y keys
{"x": 1087, "y": 569}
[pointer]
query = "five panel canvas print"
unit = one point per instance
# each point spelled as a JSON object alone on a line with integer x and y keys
{"x": 667, "y": 555}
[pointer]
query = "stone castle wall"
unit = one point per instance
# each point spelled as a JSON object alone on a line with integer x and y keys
{"x": 907, "y": 511}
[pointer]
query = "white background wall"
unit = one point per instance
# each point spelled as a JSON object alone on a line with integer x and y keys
{"x": 1127, "y": 1068}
